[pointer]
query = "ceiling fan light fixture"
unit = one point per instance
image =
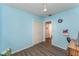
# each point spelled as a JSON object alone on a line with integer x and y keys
{"x": 45, "y": 9}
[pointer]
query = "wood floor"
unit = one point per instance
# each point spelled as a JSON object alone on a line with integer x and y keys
{"x": 41, "y": 50}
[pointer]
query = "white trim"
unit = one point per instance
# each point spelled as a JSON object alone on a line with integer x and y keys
{"x": 22, "y": 49}
{"x": 59, "y": 46}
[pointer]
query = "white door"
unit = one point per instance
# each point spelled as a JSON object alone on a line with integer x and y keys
{"x": 37, "y": 31}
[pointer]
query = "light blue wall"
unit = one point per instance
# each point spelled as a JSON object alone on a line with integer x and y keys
{"x": 16, "y": 28}
{"x": 0, "y": 29}
{"x": 70, "y": 22}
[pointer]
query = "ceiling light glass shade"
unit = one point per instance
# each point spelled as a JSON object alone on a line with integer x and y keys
{"x": 45, "y": 9}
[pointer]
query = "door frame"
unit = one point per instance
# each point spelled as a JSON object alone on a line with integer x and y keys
{"x": 46, "y": 20}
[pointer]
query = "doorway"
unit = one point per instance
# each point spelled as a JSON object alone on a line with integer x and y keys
{"x": 48, "y": 33}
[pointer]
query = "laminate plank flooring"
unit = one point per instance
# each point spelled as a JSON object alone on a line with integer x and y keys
{"x": 41, "y": 50}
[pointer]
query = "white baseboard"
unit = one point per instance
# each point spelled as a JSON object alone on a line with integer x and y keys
{"x": 25, "y": 48}
{"x": 32, "y": 46}
{"x": 21, "y": 49}
{"x": 58, "y": 46}
{"x": 38, "y": 43}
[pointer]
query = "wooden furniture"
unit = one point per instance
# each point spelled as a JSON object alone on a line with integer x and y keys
{"x": 73, "y": 49}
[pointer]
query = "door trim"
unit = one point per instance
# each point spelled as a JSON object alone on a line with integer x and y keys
{"x": 47, "y": 19}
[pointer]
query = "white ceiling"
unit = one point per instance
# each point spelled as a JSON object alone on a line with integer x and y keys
{"x": 37, "y": 8}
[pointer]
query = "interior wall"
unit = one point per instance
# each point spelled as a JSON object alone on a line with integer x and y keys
{"x": 0, "y": 29}
{"x": 16, "y": 28}
{"x": 70, "y": 21}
